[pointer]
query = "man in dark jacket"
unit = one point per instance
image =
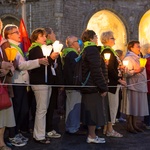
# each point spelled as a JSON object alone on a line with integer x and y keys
{"x": 73, "y": 101}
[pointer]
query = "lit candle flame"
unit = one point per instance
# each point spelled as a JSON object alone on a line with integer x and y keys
{"x": 125, "y": 63}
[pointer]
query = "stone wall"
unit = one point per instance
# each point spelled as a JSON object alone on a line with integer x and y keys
{"x": 68, "y": 17}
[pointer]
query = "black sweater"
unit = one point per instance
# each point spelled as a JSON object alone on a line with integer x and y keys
{"x": 112, "y": 71}
{"x": 68, "y": 69}
{"x": 37, "y": 76}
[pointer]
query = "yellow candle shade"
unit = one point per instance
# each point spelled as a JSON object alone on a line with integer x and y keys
{"x": 107, "y": 56}
{"x": 143, "y": 62}
{"x": 11, "y": 53}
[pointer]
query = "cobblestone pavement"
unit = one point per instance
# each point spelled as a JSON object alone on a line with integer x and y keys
{"x": 140, "y": 141}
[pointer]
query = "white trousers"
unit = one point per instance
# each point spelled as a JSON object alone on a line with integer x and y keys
{"x": 113, "y": 104}
{"x": 42, "y": 95}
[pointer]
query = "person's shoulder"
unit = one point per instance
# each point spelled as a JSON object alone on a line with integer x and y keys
{"x": 91, "y": 48}
{"x": 72, "y": 53}
{"x": 36, "y": 48}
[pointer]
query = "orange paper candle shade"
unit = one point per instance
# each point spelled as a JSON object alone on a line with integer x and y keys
{"x": 143, "y": 62}
{"x": 11, "y": 53}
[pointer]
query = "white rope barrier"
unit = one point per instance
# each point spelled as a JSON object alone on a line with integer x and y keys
{"x": 70, "y": 86}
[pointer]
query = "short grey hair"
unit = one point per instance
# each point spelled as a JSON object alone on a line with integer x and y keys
{"x": 144, "y": 48}
{"x": 105, "y": 36}
{"x": 69, "y": 40}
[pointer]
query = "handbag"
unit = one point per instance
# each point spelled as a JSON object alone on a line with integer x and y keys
{"x": 4, "y": 97}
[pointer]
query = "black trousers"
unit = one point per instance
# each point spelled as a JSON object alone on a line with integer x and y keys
{"x": 50, "y": 111}
{"x": 119, "y": 106}
{"x": 21, "y": 107}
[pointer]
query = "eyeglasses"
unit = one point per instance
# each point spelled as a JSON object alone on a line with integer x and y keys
{"x": 112, "y": 38}
{"x": 17, "y": 32}
{"x": 74, "y": 41}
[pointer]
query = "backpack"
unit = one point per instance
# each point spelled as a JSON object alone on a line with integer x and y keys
{"x": 77, "y": 77}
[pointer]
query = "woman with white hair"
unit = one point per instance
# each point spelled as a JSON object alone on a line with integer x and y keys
{"x": 114, "y": 80}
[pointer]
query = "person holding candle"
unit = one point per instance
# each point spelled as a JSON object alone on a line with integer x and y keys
{"x": 21, "y": 76}
{"x": 41, "y": 90}
{"x": 114, "y": 79}
{"x": 7, "y": 118}
{"x": 136, "y": 102}
{"x": 55, "y": 80}
{"x": 119, "y": 116}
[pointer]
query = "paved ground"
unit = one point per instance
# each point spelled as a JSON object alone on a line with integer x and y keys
{"x": 140, "y": 141}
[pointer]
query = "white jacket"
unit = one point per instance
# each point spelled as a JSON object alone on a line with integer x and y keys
{"x": 21, "y": 74}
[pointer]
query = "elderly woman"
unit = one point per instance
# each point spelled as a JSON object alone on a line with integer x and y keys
{"x": 114, "y": 80}
{"x": 145, "y": 49}
{"x": 136, "y": 103}
{"x": 94, "y": 110}
{"x": 6, "y": 115}
{"x": 41, "y": 90}
{"x": 21, "y": 76}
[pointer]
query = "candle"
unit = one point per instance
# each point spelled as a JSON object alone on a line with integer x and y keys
{"x": 143, "y": 62}
{"x": 11, "y": 53}
{"x": 46, "y": 52}
{"x": 125, "y": 63}
{"x": 57, "y": 47}
{"x": 107, "y": 56}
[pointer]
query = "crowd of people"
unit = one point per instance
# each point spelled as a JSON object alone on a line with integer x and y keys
{"x": 111, "y": 87}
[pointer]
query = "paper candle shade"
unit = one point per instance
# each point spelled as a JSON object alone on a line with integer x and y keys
{"x": 11, "y": 53}
{"x": 46, "y": 50}
{"x": 107, "y": 56}
{"x": 143, "y": 62}
{"x": 125, "y": 63}
{"x": 57, "y": 47}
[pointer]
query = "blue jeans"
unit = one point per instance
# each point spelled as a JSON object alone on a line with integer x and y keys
{"x": 73, "y": 109}
{"x": 147, "y": 118}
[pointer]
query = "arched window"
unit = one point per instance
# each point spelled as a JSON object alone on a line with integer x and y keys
{"x": 105, "y": 20}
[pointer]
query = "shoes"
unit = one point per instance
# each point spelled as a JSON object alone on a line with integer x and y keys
{"x": 44, "y": 141}
{"x": 79, "y": 132}
{"x": 113, "y": 133}
{"x": 96, "y": 140}
{"x": 131, "y": 130}
{"x": 138, "y": 129}
{"x": 98, "y": 127}
{"x": 24, "y": 139}
{"x": 17, "y": 141}
{"x": 5, "y": 148}
{"x": 31, "y": 131}
{"x": 53, "y": 134}
{"x": 147, "y": 127}
{"x": 122, "y": 119}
